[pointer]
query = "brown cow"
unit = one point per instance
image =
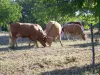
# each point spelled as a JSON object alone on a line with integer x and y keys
{"x": 53, "y": 30}
{"x": 29, "y": 42}
{"x": 74, "y": 29}
{"x": 81, "y": 24}
{"x": 32, "y": 31}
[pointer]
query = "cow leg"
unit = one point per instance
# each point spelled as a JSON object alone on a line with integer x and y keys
{"x": 59, "y": 37}
{"x": 20, "y": 40}
{"x": 13, "y": 42}
{"x": 10, "y": 40}
{"x": 65, "y": 36}
{"x": 36, "y": 44}
{"x": 49, "y": 41}
{"x": 29, "y": 43}
{"x": 35, "y": 41}
{"x": 30, "y": 38}
{"x": 75, "y": 37}
{"x": 68, "y": 36}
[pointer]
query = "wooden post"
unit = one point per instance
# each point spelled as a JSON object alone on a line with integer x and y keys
{"x": 93, "y": 51}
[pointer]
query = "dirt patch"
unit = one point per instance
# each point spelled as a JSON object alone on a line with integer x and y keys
{"x": 75, "y": 58}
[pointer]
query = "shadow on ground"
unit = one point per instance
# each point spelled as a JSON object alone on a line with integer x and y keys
{"x": 4, "y": 40}
{"x": 74, "y": 70}
{"x": 4, "y": 44}
{"x": 24, "y": 47}
{"x": 84, "y": 45}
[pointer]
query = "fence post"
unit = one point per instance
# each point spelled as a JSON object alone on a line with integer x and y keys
{"x": 93, "y": 51}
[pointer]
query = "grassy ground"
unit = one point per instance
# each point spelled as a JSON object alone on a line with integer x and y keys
{"x": 75, "y": 58}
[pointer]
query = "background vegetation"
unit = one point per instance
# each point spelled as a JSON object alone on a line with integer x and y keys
{"x": 42, "y": 11}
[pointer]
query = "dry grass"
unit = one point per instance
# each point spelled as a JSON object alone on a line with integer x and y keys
{"x": 55, "y": 60}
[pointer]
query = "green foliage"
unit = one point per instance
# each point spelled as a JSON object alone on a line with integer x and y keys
{"x": 9, "y": 11}
{"x": 14, "y": 12}
{"x": 42, "y": 11}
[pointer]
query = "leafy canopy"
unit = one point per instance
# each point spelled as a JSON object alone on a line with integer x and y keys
{"x": 9, "y": 11}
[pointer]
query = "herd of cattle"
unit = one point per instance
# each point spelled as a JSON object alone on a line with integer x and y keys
{"x": 35, "y": 32}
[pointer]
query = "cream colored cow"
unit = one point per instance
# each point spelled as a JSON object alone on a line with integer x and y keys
{"x": 53, "y": 31}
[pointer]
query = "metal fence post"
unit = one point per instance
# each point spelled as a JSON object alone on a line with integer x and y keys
{"x": 93, "y": 51}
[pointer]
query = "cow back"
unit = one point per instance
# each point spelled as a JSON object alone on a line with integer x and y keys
{"x": 53, "y": 29}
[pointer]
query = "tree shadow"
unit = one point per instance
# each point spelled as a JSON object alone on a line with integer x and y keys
{"x": 4, "y": 40}
{"x": 74, "y": 70}
{"x": 4, "y": 49}
{"x": 95, "y": 35}
{"x": 24, "y": 47}
{"x": 84, "y": 45}
{"x": 16, "y": 48}
{"x": 21, "y": 47}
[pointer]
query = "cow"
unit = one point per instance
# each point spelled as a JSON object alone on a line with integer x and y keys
{"x": 18, "y": 35}
{"x": 80, "y": 23}
{"x": 32, "y": 31}
{"x": 74, "y": 29}
{"x": 53, "y": 31}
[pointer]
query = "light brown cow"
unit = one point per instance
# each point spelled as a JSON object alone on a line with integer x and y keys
{"x": 53, "y": 30}
{"x": 32, "y": 31}
{"x": 74, "y": 29}
{"x": 40, "y": 28}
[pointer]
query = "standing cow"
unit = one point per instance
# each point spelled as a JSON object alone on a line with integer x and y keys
{"x": 79, "y": 23}
{"x": 32, "y": 31}
{"x": 53, "y": 30}
{"x": 74, "y": 29}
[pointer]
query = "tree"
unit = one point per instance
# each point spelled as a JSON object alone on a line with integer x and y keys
{"x": 42, "y": 11}
{"x": 38, "y": 11}
{"x": 9, "y": 11}
{"x": 97, "y": 11}
{"x": 83, "y": 6}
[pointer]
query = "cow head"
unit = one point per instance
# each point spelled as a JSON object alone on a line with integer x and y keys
{"x": 49, "y": 40}
{"x": 83, "y": 36}
{"x": 43, "y": 39}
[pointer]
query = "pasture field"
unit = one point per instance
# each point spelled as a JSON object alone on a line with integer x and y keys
{"x": 75, "y": 58}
